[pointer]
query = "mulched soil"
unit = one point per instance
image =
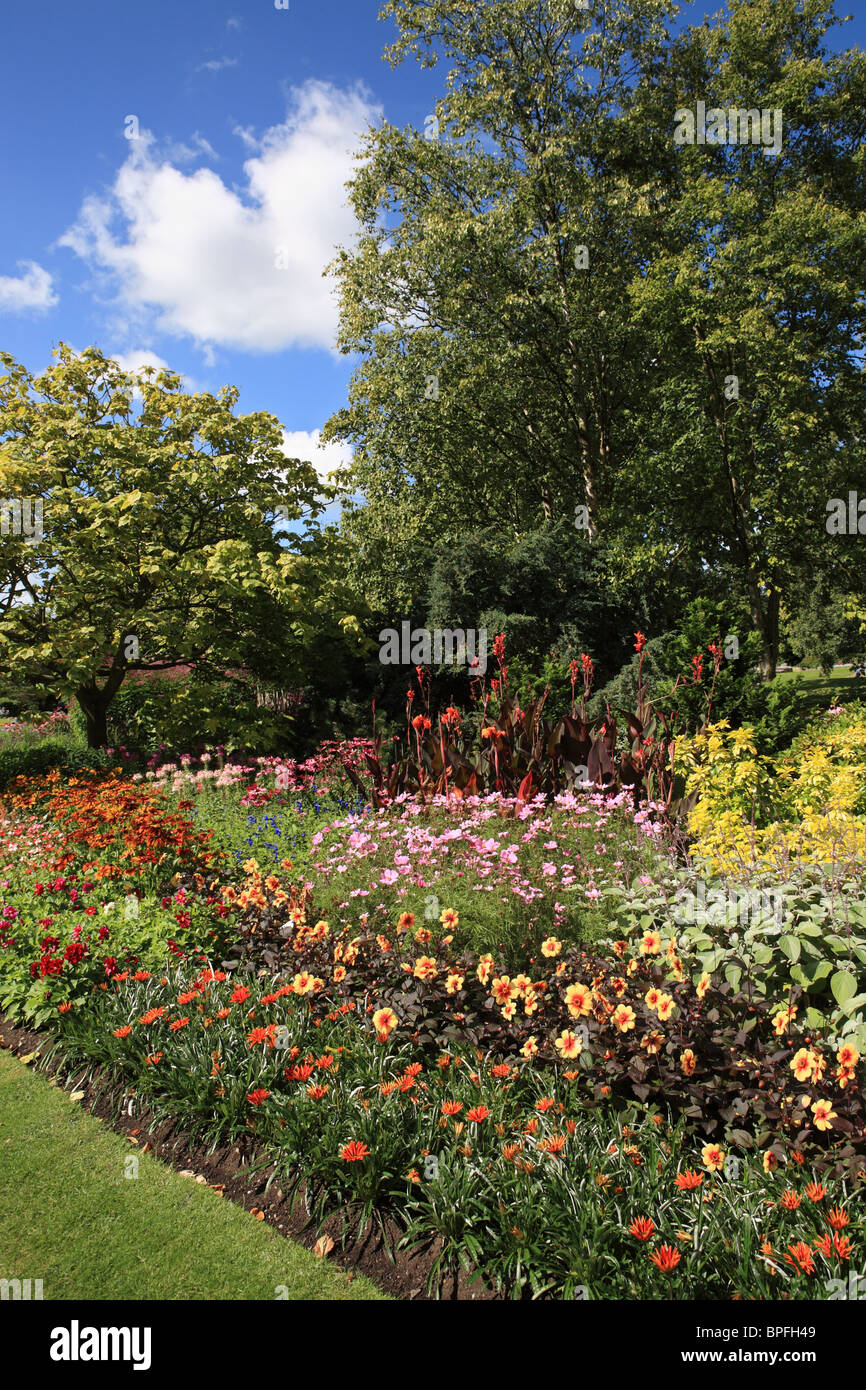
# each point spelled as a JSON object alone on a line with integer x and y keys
{"x": 227, "y": 1169}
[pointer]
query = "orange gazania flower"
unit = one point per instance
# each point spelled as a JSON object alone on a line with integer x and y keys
{"x": 63, "y": 1008}
{"x": 816, "y": 1192}
{"x": 354, "y": 1151}
{"x": 553, "y": 1146}
{"x": 666, "y": 1258}
{"x": 824, "y": 1245}
{"x": 838, "y": 1218}
{"x": 545, "y": 1104}
{"x": 642, "y": 1228}
{"x": 800, "y": 1257}
{"x": 240, "y": 995}
{"x": 688, "y": 1180}
{"x": 258, "y": 1097}
{"x": 123, "y": 1032}
{"x": 153, "y": 1059}
{"x": 317, "y": 1092}
{"x": 789, "y": 1200}
{"x": 451, "y": 1107}
{"x": 843, "y": 1247}
{"x": 477, "y": 1114}
{"x": 152, "y": 1015}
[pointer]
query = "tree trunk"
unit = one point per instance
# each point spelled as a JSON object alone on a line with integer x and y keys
{"x": 95, "y": 709}
{"x": 765, "y": 620}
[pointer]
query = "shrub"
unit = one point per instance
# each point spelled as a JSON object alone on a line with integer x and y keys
{"x": 58, "y": 751}
{"x": 190, "y": 712}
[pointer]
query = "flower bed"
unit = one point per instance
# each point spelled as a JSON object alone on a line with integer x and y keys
{"x": 605, "y": 1118}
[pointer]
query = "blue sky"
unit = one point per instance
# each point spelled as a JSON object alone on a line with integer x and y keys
{"x": 165, "y": 247}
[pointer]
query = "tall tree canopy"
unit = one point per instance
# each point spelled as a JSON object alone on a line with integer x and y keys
{"x": 560, "y": 307}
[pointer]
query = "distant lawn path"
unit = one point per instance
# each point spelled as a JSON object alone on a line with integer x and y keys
{"x": 70, "y": 1216}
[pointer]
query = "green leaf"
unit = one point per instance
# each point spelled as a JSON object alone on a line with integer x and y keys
{"x": 791, "y": 946}
{"x": 843, "y": 986}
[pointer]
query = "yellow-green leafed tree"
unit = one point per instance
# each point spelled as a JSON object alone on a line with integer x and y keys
{"x": 137, "y": 528}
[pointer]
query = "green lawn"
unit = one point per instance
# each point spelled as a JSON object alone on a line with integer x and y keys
{"x": 840, "y": 685}
{"x": 70, "y": 1216}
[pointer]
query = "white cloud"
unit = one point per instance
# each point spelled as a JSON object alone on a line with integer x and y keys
{"x": 31, "y": 290}
{"x": 325, "y": 458}
{"x": 217, "y": 64}
{"x": 228, "y": 267}
{"x": 134, "y": 361}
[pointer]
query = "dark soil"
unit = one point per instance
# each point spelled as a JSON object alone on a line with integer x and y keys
{"x": 227, "y": 1169}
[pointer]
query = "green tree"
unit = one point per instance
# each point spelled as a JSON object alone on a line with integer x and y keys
{"x": 488, "y": 294}
{"x": 559, "y": 306}
{"x": 755, "y": 297}
{"x": 156, "y": 542}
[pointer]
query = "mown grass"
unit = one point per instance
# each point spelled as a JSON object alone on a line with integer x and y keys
{"x": 71, "y": 1217}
